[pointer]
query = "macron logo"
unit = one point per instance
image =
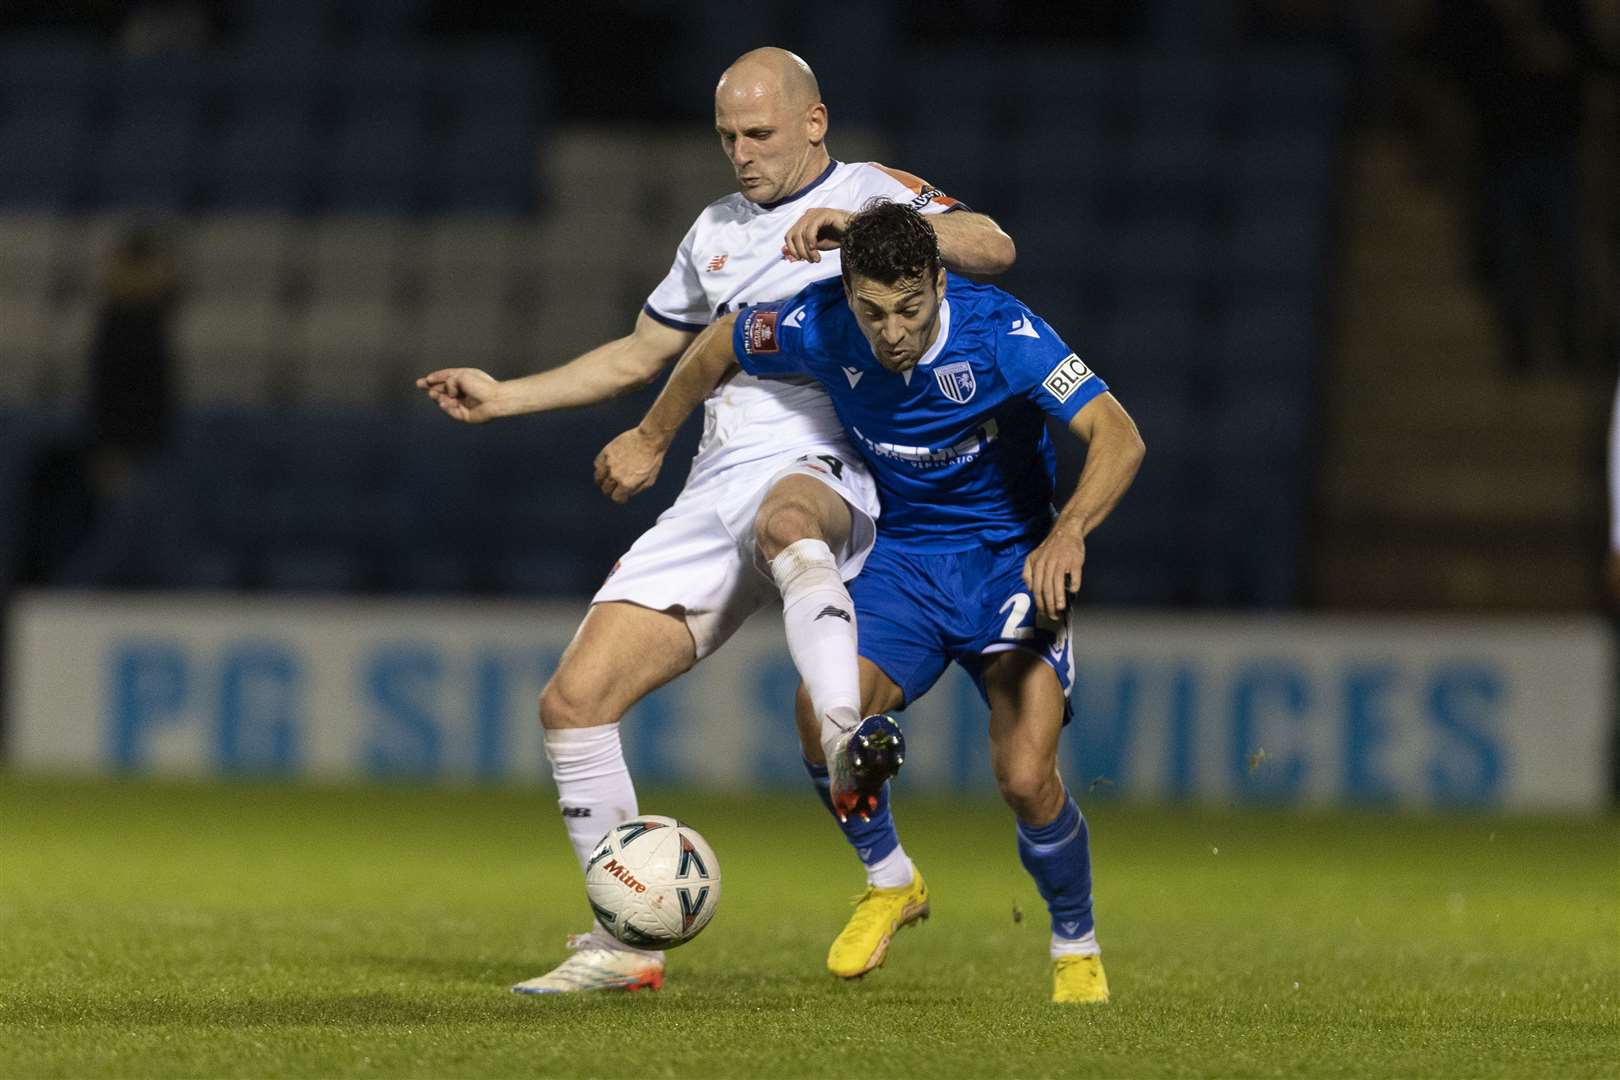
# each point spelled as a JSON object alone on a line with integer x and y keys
{"x": 853, "y": 375}
{"x": 1070, "y": 927}
{"x": 795, "y": 319}
{"x": 1022, "y": 327}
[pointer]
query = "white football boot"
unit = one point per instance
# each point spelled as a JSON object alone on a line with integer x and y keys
{"x": 598, "y": 963}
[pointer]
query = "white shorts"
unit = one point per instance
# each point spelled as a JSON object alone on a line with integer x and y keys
{"x": 700, "y": 557}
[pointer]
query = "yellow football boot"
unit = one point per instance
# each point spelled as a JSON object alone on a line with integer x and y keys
{"x": 879, "y": 915}
{"x": 1079, "y": 980}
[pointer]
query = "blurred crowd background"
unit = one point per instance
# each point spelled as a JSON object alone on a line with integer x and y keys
{"x": 1352, "y": 267}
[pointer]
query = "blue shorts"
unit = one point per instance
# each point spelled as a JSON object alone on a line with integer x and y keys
{"x": 919, "y": 611}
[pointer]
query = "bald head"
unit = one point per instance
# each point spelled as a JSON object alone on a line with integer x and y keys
{"x": 769, "y": 73}
{"x": 772, "y": 124}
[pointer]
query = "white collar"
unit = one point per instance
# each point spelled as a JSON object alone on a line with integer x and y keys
{"x": 939, "y": 339}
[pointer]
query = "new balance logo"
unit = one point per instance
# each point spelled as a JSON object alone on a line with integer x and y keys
{"x": 853, "y": 375}
{"x": 833, "y": 612}
{"x": 717, "y": 263}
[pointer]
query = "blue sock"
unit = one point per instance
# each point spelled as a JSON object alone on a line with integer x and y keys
{"x": 1058, "y": 857}
{"x": 872, "y": 839}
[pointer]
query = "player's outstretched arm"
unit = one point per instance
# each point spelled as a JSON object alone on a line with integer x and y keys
{"x": 969, "y": 243}
{"x": 629, "y": 464}
{"x": 1114, "y": 453}
{"x": 619, "y": 366}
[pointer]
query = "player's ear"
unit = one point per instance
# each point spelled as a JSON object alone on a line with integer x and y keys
{"x": 939, "y": 280}
{"x": 815, "y": 123}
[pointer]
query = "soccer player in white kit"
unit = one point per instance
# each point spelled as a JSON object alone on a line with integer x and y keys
{"x": 776, "y": 501}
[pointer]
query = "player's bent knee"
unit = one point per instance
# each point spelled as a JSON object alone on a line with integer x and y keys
{"x": 561, "y": 709}
{"x": 1029, "y": 790}
{"x": 780, "y": 524}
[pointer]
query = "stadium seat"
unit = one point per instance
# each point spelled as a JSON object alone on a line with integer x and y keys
{"x": 264, "y": 163}
{"x": 386, "y": 76}
{"x": 1270, "y": 338}
{"x": 40, "y": 69}
{"x": 1291, "y": 88}
{"x": 260, "y": 78}
{"x": 1165, "y": 250}
{"x": 1152, "y": 343}
{"x": 358, "y": 257}
{"x": 161, "y": 83}
{"x": 33, "y": 246}
{"x": 382, "y": 20}
{"x": 1176, "y": 92}
{"x": 241, "y": 256}
{"x": 1280, "y": 163}
{"x": 25, "y": 349}
{"x": 149, "y": 161}
{"x": 375, "y": 165}
{"x": 464, "y": 332}
{"x": 346, "y": 351}
{"x": 488, "y": 166}
{"x": 1278, "y": 242}
{"x": 43, "y": 153}
{"x": 479, "y": 76}
{"x": 284, "y": 24}
{"x": 1067, "y": 86}
{"x": 226, "y": 349}
{"x": 468, "y": 257}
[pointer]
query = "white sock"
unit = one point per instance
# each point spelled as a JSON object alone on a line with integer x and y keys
{"x": 892, "y": 871}
{"x": 820, "y": 621}
{"x": 595, "y": 794}
{"x": 593, "y": 783}
{"x": 1085, "y": 945}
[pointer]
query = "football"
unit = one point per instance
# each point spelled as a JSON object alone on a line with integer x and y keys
{"x": 653, "y": 882}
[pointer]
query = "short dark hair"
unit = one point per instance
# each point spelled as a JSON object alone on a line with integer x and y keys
{"x": 889, "y": 242}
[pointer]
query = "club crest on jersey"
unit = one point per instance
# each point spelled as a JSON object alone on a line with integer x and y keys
{"x": 956, "y": 381}
{"x": 759, "y": 333}
{"x": 717, "y": 263}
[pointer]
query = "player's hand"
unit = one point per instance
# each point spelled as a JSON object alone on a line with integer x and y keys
{"x": 817, "y": 230}
{"x": 1052, "y": 572}
{"x": 465, "y": 394}
{"x": 628, "y": 465}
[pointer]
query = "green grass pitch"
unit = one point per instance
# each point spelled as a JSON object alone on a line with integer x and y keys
{"x": 250, "y": 930}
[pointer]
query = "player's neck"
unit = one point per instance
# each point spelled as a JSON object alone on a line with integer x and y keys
{"x": 809, "y": 172}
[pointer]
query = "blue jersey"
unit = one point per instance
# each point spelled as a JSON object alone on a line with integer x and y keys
{"x": 958, "y": 444}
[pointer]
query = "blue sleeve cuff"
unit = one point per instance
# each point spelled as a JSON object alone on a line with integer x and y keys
{"x": 675, "y": 324}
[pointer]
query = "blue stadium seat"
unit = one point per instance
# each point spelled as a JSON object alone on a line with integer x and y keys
{"x": 1278, "y": 242}
{"x": 480, "y": 77}
{"x": 38, "y": 70}
{"x": 1290, "y": 88}
{"x": 151, "y": 84}
{"x": 1072, "y": 87}
{"x": 1179, "y": 250}
{"x": 260, "y": 78}
{"x": 151, "y": 161}
{"x": 372, "y": 20}
{"x": 487, "y": 167}
{"x": 1176, "y": 91}
{"x": 390, "y": 76}
{"x": 1281, "y": 164}
{"x": 375, "y": 164}
{"x": 1153, "y": 343}
{"x": 43, "y": 154}
{"x": 286, "y": 24}
{"x": 1168, "y": 171}
{"x": 264, "y": 162}
{"x": 1269, "y": 339}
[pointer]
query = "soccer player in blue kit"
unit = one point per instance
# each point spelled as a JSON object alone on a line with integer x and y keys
{"x": 945, "y": 386}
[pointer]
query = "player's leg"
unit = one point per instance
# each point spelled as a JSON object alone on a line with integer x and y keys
{"x": 801, "y": 527}
{"x": 896, "y": 895}
{"x": 622, "y": 653}
{"x": 1027, "y": 709}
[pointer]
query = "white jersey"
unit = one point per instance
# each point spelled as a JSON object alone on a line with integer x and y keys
{"x": 732, "y": 258}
